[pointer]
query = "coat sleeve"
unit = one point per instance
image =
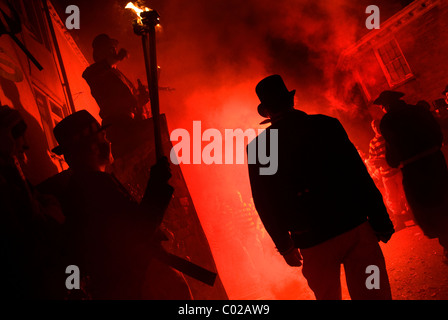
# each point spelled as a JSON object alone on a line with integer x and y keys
{"x": 267, "y": 195}
{"x": 361, "y": 184}
{"x": 156, "y": 199}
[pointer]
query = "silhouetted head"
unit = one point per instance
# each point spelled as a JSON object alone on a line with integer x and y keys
{"x": 274, "y": 97}
{"x": 105, "y": 48}
{"x": 389, "y": 99}
{"x": 82, "y": 141}
{"x": 12, "y": 134}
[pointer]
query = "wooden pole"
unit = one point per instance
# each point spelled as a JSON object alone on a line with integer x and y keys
{"x": 149, "y": 52}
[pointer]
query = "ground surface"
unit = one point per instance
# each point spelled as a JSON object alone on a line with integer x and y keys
{"x": 415, "y": 267}
{"x": 414, "y": 264}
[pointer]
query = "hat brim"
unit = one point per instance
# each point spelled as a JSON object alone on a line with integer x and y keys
{"x": 262, "y": 108}
{"x": 378, "y": 101}
{"x": 59, "y": 150}
{"x": 381, "y": 100}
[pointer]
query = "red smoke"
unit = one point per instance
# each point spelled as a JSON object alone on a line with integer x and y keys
{"x": 213, "y": 53}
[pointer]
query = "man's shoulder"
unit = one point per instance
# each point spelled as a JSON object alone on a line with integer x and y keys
{"x": 55, "y": 184}
{"x": 324, "y": 119}
{"x": 293, "y": 121}
{"x": 253, "y": 142}
{"x": 323, "y": 125}
{"x": 96, "y": 69}
{"x": 95, "y": 177}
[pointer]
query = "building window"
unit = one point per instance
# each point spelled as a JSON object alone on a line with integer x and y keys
{"x": 393, "y": 63}
{"x": 31, "y": 14}
{"x": 51, "y": 114}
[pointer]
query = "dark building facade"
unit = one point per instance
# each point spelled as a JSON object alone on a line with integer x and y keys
{"x": 407, "y": 54}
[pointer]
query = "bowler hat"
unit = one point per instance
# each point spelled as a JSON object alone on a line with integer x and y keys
{"x": 103, "y": 41}
{"x": 273, "y": 94}
{"x": 386, "y": 97}
{"x": 75, "y": 129}
{"x": 101, "y": 46}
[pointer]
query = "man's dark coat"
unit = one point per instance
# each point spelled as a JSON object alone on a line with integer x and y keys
{"x": 322, "y": 187}
{"x": 113, "y": 92}
{"x": 413, "y": 140}
{"x": 109, "y": 236}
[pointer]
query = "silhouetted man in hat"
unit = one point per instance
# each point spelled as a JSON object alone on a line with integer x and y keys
{"x": 119, "y": 100}
{"x": 17, "y": 209}
{"x": 28, "y": 219}
{"x": 321, "y": 204}
{"x": 413, "y": 143}
{"x": 109, "y": 234}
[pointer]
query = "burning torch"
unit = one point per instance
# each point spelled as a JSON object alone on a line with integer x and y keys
{"x": 145, "y": 26}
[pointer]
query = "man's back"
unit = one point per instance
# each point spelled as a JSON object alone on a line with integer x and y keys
{"x": 112, "y": 91}
{"x": 108, "y": 234}
{"x": 414, "y": 139}
{"x": 409, "y": 130}
{"x": 322, "y": 187}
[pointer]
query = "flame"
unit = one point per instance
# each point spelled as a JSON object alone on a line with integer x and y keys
{"x": 137, "y": 10}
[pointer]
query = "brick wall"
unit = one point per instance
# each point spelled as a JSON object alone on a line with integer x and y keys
{"x": 424, "y": 43}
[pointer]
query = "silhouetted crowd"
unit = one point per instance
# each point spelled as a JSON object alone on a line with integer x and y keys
{"x": 322, "y": 208}
{"x": 414, "y": 142}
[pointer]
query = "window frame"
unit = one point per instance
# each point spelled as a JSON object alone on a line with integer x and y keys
{"x": 35, "y": 26}
{"x": 386, "y": 64}
{"x": 49, "y": 118}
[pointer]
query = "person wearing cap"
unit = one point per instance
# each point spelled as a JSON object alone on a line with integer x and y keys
{"x": 16, "y": 207}
{"x": 28, "y": 243}
{"x": 119, "y": 100}
{"x": 413, "y": 144}
{"x": 321, "y": 206}
{"x": 109, "y": 234}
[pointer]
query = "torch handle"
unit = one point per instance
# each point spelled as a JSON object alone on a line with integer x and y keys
{"x": 149, "y": 50}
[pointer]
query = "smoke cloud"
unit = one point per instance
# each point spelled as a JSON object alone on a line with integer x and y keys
{"x": 213, "y": 53}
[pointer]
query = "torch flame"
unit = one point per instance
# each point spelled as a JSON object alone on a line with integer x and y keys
{"x": 137, "y": 10}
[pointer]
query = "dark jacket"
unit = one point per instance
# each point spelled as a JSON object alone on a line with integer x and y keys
{"x": 113, "y": 92}
{"x": 408, "y": 131}
{"x": 109, "y": 236}
{"x": 28, "y": 238}
{"x": 322, "y": 187}
{"x": 413, "y": 140}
